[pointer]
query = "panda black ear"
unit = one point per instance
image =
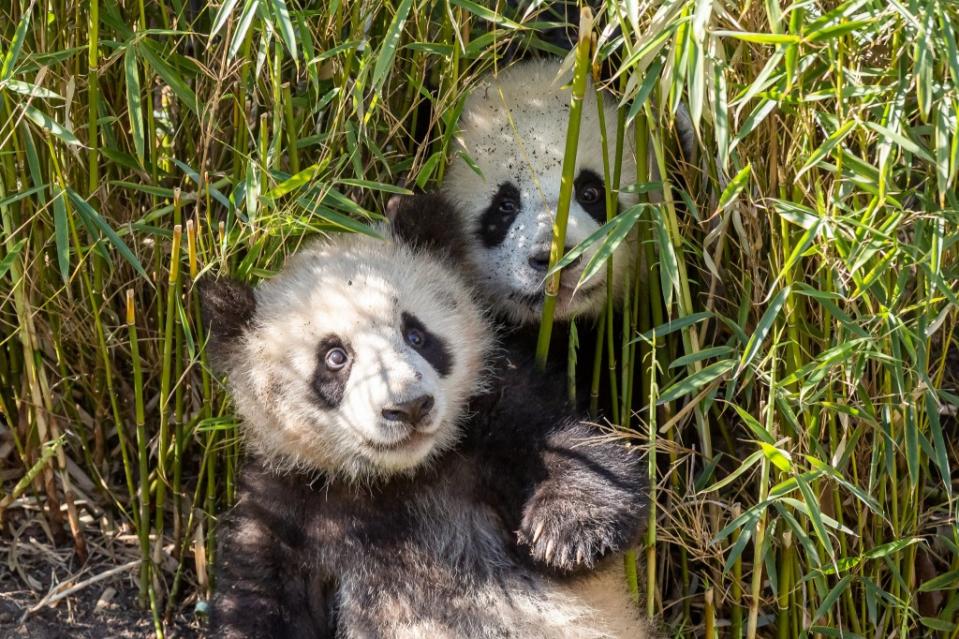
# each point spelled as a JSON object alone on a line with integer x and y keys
{"x": 429, "y": 222}
{"x": 228, "y": 308}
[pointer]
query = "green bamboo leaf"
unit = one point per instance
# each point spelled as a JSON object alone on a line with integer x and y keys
{"x": 668, "y": 262}
{"x": 282, "y": 15}
{"x": 721, "y": 111}
{"x": 760, "y": 38}
{"x": 610, "y": 244}
{"x": 243, "y": 26}
{"x": 779, "y": 458}
{"x": 902, "y": 141}
{"x": 735, "y": 187}
{"x": 169, "y": 74}
{"x": 696, "y": 381}
{"x": 758, "y": 429}
{"x": 836, "y": 30}
{"x": 134, "y": 110}
{"x": 673, "y": 325}
{"x": 952, "y": 51}
{"x": 650, "y": 78}
{"x": 832, "y": 597}
{"x": 941, "y": 452}
{"x": 935, "y": 623}
{"x": 48, "y": 124}
{"x": 796, "y": 213}
{"x": 90, "y": 215}
{"x": 945, "y": 581}
{"x": 16, "y": 45}
{"x": 760, "y": 113}
{"x": 817, "y": 517}
{"x": 30, "y": 90}
{"x": 222, "y": 15}
{"x": 384, "y": 61}
{"x": 373, "y": 185}
{"x": 698, "y": 356}
{"x": 826, "y": 147}
{"x": 606, "y": 230}
{"x": 486, "y": 14}
{"x": 762, "y": 329}
{"x": 747, "y": 463}
{"x": 945, "y": 127}
{"x": 61, "y": 235}
{"x": 12, "y": 254}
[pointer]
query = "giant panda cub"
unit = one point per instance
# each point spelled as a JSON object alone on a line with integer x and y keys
{"x": 403, "y": 480}
{"x": 504, "y": 181}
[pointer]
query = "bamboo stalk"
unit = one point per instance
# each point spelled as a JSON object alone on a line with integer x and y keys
{"x": 580, "y": 74}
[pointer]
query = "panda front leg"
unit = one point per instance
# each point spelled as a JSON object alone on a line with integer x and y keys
{"x": 265, "y": 586}
{"x": 591, "y": 503}
{"x": 573, "y": 496}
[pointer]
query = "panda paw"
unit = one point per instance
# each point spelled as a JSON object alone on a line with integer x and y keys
{"x": 566, "y": 534}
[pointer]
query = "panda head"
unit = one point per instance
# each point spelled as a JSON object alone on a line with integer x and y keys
{"x": 355, "y": 360}
{"x": 513, "y": 128}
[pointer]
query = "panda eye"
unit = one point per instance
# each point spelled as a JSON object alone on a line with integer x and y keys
{"x": 507, "y": 207}
{"x": 589, "y": 194}
{"x": 336, "y": 358}
{"x": 415, "y": 338}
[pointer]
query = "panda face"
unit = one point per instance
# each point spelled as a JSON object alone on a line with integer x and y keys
{"x": 514, "y": 129}
{"x": 358, "y": 360}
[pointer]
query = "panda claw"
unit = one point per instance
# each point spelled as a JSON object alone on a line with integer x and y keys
{"x": 538, "y": 531}
{"x": 548, "y": 554}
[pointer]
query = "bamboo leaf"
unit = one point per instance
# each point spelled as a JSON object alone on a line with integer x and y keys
{"x": 16, "y": 45}
{"x": 90, "y": 215}
{"x": 134, "y": 110}
{"x": 48, "y": 124}
{"x": 282, "y": 15}
{"x": 696, "y": 381}
{"x": 384, "y": 61}
{"x": 61, "y": 234}
{"x": 735, "y": 187}
{"x": 222, "y": 15}
{"x": 760, "y": 38}
{"x": 762, "y": 329}
{"x": 12, "y": 254}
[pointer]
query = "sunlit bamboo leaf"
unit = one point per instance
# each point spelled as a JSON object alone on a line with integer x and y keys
{"x": 281, "y": 15}
{"x": 384, "y": 60}
{"x": 696, "y": 381}
{"x": 90, "y": 214}
{"x": 50, "y": 125}
{"x": 763, "y": 328}
{"x": 16, "y": 45}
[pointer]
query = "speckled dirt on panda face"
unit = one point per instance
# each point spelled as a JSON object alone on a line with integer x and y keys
{"x": 513, "y": 128}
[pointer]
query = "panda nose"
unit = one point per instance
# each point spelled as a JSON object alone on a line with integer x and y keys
{"x": 539, "y": 260}
{"x": 410, "y": 412}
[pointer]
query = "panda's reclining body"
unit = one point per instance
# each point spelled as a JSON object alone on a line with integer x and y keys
{"x": 405, "y": 480}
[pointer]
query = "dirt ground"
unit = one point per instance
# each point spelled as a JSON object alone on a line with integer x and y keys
{"x": 34, "y": 571}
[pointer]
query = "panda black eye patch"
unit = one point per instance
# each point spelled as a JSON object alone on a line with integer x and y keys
{"x": 499, "y": 216}
{"x": 329, "y": 379}
{"x": 591, "y": 194}
{"x": 432, "y": 347}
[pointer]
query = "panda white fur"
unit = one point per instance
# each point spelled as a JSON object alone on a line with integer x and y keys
{"x": 404, "y": 480}
{"x": 513, "y": 129}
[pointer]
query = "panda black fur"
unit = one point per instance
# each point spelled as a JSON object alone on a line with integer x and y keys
{"x": 365, "y": 510}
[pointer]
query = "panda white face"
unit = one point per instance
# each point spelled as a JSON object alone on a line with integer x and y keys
{"x": 358, "y": 359}
{"x": 514, "y": 129}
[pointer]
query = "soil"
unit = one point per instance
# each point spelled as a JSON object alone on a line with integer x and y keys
{"x": 32, "y": 568}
